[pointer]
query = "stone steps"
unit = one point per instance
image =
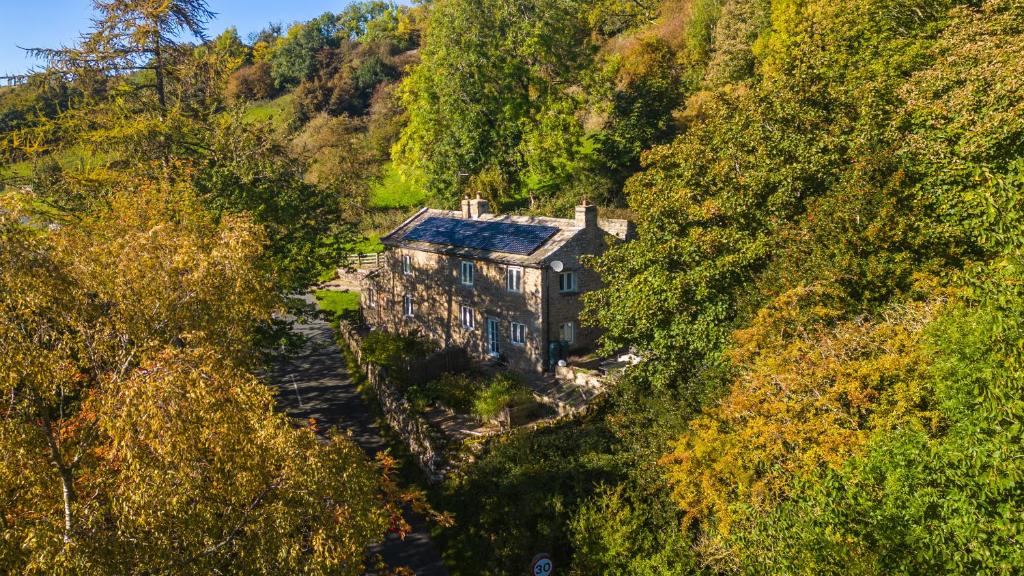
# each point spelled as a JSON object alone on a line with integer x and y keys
{"x": 564, "y": 397}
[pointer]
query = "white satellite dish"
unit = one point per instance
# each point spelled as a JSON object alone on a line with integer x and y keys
{"x": 556, "y": 265}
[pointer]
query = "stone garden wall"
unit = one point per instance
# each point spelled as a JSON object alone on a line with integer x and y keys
{"x": 398, "y": 413}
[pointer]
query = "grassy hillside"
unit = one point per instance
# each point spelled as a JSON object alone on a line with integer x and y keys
{"x": 278, "y": 111}
{"x": 392, "y": 191}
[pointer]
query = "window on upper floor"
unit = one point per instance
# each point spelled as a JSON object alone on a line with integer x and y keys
{"x": 407, "y": 306}
{"x": 466, "y": 272}
{"x": 518, "y": 334}
{"x": 468, "y": 316}
{"x": 567, "y": 332}
{"x": 407, "y": 264}
{"x": 567, "y": 282}
{"x": 514, "y": 279}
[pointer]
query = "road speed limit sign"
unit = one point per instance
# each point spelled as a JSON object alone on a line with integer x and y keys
{"x": 541, "y": 565}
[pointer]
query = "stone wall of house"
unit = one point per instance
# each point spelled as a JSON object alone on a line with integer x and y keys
{"x": 438, "y": 297}
{"x": 566, "y": 307}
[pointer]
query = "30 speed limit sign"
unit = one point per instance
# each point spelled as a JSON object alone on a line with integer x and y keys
{"x": 541, "y": 565}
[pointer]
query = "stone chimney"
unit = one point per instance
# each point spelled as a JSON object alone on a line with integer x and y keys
{"x": 477, "y": 207}
{"x": 586, "y": 215}
{"x": 465, "y": 208}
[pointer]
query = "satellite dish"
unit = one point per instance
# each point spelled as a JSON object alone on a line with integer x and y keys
{"x": 556, "y": 265}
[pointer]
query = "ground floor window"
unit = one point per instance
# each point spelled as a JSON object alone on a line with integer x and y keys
{"x": 407, "y": 306}
{"x": 468, "y": 317}
{"x": 371, "y": 298}
{"x": 518, "y": 335}
{"x": 492, "y": 336}
{"x": 567, "y": 332}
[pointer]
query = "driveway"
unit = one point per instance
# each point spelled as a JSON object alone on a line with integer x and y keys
{"x": 314, "y": 383}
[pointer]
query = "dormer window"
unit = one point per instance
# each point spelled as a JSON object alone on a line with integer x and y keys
{"x": 407, "y": 265}
{"x": 514, "y": 279}
{"x": 466, "y": 273}
{"x": 567, "y": 282}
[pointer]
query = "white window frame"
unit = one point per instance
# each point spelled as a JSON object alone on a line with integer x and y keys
{"x": 371, "y": 298}
{"x": 520, "y": 338}
{"x": 514, "y": 279}
{"x": 492, "y": 338}
{"x": 468, "y": 317}
{"x": 569, "y": 327}
{"x": 407, "y": 264}
{"x": 407, "y": 306}
{"x": 568, "y": 282}
{"x": 465, "y": 266}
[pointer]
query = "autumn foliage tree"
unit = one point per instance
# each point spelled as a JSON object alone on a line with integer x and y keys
{"x": 134, "y": 437}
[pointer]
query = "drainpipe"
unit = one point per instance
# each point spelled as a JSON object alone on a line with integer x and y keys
{"x": 545, "y": 345}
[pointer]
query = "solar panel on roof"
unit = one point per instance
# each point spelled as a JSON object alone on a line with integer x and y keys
{"x": 494, "y": 236}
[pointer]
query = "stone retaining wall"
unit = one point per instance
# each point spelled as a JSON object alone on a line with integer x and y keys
{"x": 398, "y": 413}
{"x": 583, "y": 377}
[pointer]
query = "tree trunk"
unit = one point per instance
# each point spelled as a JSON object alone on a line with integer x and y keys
{"x": 160, "y": 93}
{"x": 67, "y": 479}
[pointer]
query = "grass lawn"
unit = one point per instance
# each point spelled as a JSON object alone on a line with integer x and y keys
{"x": 369, "y": 245}
{"x": 277, "y": 111}
{"x": 338, "y": 304}
{"x": 391, "y": 191}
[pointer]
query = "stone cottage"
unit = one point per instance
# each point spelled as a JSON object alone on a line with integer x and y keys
{"x": 498, "y": 286}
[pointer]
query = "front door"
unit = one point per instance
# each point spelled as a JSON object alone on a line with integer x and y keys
{"x": 492, "y": 336}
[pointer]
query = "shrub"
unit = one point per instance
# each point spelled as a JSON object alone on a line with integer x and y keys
{"x": 456, "y": 391}
{"x": 251, "y": 83}
{"x": 500, "y": 393}
{"x": 397, "y": 353}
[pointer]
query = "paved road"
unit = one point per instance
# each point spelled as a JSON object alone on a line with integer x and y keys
{"x": 314, "y": 383}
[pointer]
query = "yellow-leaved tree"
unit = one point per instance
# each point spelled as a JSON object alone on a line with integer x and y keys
{"x": 134, "y": 438}
{"x": 812, "y": 388}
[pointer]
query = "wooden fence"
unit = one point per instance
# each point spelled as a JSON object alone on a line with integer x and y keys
{"x": 365, "y": 261}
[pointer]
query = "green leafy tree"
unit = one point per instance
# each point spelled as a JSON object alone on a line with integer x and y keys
{"x": 294, "y": 56}
{"x": 486, "y": 69}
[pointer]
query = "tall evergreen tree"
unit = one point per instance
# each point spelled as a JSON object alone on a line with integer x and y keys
{"x": 130, "y": 36}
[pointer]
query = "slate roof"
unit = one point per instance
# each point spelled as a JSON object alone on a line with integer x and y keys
{"x": 509, "y": 237}
{"x": 504, "y": 238}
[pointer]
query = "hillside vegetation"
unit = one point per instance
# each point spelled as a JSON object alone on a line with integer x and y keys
{"x": 825, "y": 287}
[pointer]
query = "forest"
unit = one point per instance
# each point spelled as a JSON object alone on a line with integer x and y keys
{"x": 826, "y": 288}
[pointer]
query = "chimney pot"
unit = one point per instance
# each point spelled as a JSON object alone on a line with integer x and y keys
{"x": 586, "y": 215}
